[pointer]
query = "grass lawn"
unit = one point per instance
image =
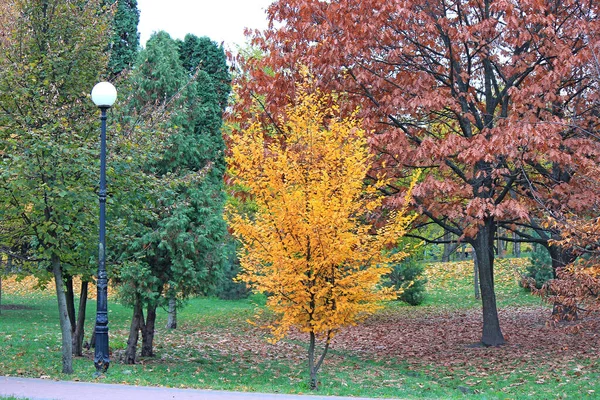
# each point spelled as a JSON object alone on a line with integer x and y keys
{"x": 404, "y": 352}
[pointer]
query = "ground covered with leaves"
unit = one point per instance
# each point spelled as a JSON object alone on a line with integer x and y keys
{"x": 429, "y": 351}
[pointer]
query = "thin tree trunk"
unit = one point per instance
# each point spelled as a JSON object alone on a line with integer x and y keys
{"x": 499, "y": 246}
{"x": 516, "y": 247}
{"x": 65, "y": 324}
{"x": 93, "y": 337}
{"x": 148, "y": 332}
{"x": 476, "y": 276}
{"x": 313, "y": 364}
{"x": 80, "y": 324}
{"x": 561, "y": 257}
{"x": 137, "y": 321}
{"x": 70, "y": 298}
{"x": 314, "y": 384}
{"x": 484, "y": 247}
{"x": 447, "y": 250}
{"x": 172, "y": 318}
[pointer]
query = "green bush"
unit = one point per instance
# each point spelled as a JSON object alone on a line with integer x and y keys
{"x": 408, "y": 276}
{"x": 540, "y": 269}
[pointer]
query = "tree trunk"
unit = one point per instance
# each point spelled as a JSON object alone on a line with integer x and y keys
{"x": 80, "y": 324}
{"x": 137, "y": 321}
{"x": 314, "y": 383}
{"x": 484, "y": 247}
{"x": 148, "y": 332}
{"x": 313, "y": 364}
{"x": 172, "y": 318}
{"x": 65, "y": 324}
{"x": 476, "y": 276}
{"x": 93, "y": 337}
{"x": 499, "y": 246}
{"x": 449, "y": 248}
{"x": 70, "y": 298}
{"x": 561, "y": 257}
{"x": 516, "y": 247}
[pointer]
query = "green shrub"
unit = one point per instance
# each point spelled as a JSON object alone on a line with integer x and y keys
{"x": 540, "y": 269}
{"x": 408, "y": 276}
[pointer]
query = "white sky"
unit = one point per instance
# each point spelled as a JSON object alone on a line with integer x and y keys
{"x": 220, "y": 20}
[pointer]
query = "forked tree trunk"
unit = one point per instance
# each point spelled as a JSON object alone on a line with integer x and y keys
{"x": 65, "y": 324}
{"x": 484, "y": 247}
{"x": 148, "y": 332}
{"x": 172, "y": 317}
{"x": 77, "y": 320}
{"x": 313, "y": 364}
{"x": 137, "y": 321}
{"x": 79, "y": 331}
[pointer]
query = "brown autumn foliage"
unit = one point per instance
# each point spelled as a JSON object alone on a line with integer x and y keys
{"x": 481, "y": 95}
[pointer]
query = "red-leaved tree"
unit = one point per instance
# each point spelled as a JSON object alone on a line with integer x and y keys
{"x": 480, "y": 94}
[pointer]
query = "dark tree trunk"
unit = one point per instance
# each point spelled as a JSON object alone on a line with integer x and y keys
{"x": 449, "y": 248}
{"x": 499, "y": 246}
{"x": 314, "y": 383}
{"x": 561, "y": 257}
{"x": 80, "y": 324}
{"x": 172, "y": 318}
{"x": 1, "y": 272}
{"x": 70, "y": 297}
{"x": 148, "y": 332}
{"x": 137, "y": 321}
{"x": 93, "y": 337}
{"x": 313, "y": 364}
{"x": 484, "y": 247}
{"x": 65, "y": 324}
{"x": 476, "y": 276}
{"x": 516, "y": 247}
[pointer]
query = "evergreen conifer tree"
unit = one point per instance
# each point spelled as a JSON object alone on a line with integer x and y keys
{"x": 180, "y": 249}
{"x": 126, "y": 39}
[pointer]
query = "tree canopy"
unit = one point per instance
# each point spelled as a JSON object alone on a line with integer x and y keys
{"x": 481, "y": 96}
{"x": 308, "y": 244}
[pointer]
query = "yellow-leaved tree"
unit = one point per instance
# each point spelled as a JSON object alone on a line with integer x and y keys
{"x": 307, "y": 242}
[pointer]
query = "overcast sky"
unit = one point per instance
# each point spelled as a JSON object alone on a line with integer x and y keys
{"x": 220, "y": 20}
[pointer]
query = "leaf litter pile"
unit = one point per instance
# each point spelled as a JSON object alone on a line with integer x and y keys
{"x": 442, "y": 345}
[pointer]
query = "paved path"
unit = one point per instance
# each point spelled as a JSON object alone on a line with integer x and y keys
{"x": 43, "y": 389}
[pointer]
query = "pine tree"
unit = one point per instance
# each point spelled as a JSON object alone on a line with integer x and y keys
{"x": 179, "y": 242}
{"x": 204, "y": 54}
{"x": 126, "y": 39}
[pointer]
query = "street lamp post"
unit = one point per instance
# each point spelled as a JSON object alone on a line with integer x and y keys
{"x": 104, "y": 95}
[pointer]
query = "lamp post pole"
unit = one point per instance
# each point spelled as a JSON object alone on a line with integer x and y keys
{"x": 104, "y": 95}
